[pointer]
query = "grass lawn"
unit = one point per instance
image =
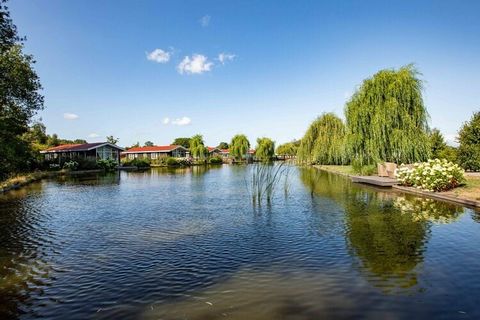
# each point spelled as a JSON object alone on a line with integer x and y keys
{"x": 471, "y": 190}
{"x": 348, "y": 170}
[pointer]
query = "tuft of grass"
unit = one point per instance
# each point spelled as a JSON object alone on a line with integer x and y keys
{"x": 264, "y": 181}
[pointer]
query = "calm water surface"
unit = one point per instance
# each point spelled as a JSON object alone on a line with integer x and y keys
{"x": 187, "y": 244}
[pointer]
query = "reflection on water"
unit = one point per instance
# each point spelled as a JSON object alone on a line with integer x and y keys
{"x": 185, "y": 243}
{"x": 424, "y": 209}
{"x": 389, "y": 245}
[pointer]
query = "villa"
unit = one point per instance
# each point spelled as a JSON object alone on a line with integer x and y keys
{"x": 214, "y": 151}
{"x": 91, "y": 151}
{"x": 155, "y": 152}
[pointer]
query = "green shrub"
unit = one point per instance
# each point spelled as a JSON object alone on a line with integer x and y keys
{"x": 70, "y": 165}
{"x": 171, "y": 162}
{"x": 433, "y": 175}
{"x": 139, "y": 163}
{"x": 215, "y": 160}
{"x": 107, "y": 164}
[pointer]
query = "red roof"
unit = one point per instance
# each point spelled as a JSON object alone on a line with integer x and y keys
{"x": 153, "y": 149}
{"x": 76, "y": 147}
{"x": 210, "y": 149}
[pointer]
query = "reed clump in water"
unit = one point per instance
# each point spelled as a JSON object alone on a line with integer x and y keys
{"x": 265, "y": 179}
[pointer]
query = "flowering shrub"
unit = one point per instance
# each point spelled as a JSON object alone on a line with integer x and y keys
{"x": 433, "y": 175}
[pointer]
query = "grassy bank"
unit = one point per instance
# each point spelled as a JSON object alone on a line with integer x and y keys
{"x": 22, "y": 180}
{"x": 470, "y": 191}
{"x": 344, "y": 170}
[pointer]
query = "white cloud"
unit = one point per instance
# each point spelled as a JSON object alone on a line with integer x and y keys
{"x": 183, "y": 121}
{"x": 166, "y": 120}
{"x": 197, "y": 64}
{"x": 70, "y": 116}
{"x": 205, "y": 20}
{"x": 93, "y": 135}
{"x": 159, "y": 55}
{"x": 224, "y": 57}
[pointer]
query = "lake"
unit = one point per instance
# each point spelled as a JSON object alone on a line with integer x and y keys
{"x": 189, "y": 244}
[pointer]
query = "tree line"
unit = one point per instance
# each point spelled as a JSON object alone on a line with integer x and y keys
{"x": 386, "y": 121}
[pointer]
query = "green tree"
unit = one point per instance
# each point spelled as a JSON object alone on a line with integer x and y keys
{"x": 148, "y": 144}
{"x": 324, "y": 142}
{"x": 184, "y": 142}
{"x": 197, "y": 147}
{"x": 288, "y": 149}
{"x": 79, "y": 141}
{"x": 265, "y": 149}
{"x": 437, "y": 143}
{"x": 469, "y": 139}
{"x": 223, "y": 145}
{"x": 20, "y": 98}
{"x": 239, "y": 146}
{"x": 135, "y": 145}
{"x": 112, "y": 140}
{"x": 387, "y": 119}
{"x": 53, "y": 140}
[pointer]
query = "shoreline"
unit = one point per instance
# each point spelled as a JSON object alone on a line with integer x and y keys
{"x": 433, "y": 195}
{"x": 26, "y": 179}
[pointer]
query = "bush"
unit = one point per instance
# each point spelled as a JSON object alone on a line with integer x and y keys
{"x": 171, "y": 162}
{"x": 434, "y": 175}
{"x": 139, "y": 163}
{"x": 216, "y": 160}
{"x": 107, "y": 164}
{"x": 71, "y": 165}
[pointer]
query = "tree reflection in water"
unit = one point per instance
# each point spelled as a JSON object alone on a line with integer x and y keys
{"x": 385, "y": 231}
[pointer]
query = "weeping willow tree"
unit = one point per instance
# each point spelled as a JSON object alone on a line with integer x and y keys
{"x": 197, "y": 147}
{"x": 387, "y": 120}
{"x": 239, "y": 146}
{"x": 324, "y": 141}
{"x": 265, "y": 150}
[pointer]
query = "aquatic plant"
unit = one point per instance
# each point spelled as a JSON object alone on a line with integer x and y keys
{"x": 387, "y": 120}
{"x": 264, "y": 180}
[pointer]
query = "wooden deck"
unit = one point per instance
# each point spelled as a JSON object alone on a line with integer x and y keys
{"x": 376, "y": 181}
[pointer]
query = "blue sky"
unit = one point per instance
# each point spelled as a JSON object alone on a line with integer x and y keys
{"x": 263, "y": 68}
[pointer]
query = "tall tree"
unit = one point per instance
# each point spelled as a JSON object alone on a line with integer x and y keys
{"x": 324, "y": 141}
{"x": 20, "y": 97}
{"x": 197, "y": 147}
{"x": 265, "y": 149}
{"x": 222, "y": 145}
{"x": 387, "y": 119}
{"x": 148, "y": 144}
{"x": 112, "y": 140}
{"x": 469, "y": 139}
{"x": 184, "y": 142}
{"x": 239, "y": 146}
{"x": 437, "y": 143}
{"x": 288, "y": 149}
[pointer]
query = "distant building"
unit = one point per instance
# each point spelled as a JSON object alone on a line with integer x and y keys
{"x": 155, "y": 152}
{"x": 214, "y": 151}
{"x": 90, "y": 151}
